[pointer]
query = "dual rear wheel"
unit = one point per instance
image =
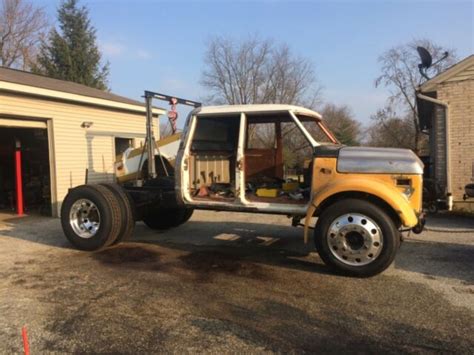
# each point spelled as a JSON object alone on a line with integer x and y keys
{"x": 94, "y": 217}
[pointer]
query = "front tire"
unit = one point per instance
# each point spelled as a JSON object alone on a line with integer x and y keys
{"x": 160, "y": 219}
{"x": 356, "y": 237}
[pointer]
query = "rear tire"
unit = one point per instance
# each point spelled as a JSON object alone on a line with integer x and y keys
{"x": 160, "y": 219}
{"x": 91, "y": 217}
{"x": 356, "y": 237}
{"x": 127, "y": 216}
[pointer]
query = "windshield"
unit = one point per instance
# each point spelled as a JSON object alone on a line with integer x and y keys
{"x": 318, "y": 130}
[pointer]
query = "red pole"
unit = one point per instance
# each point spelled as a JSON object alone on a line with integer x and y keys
{"x": 19, "y": 182}
{"x": 26, "y": 345}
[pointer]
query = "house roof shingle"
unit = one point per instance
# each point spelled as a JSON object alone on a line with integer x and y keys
{"x": 26, "y": 78}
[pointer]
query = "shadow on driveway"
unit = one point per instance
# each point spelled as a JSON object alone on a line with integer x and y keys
{"x": 237, "y": 248}
{"x": 231, "y": 246}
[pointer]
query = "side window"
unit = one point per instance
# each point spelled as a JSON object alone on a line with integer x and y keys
{"x": 216, "y": 134}
{"x": 282, "y": 133}
{"x": 122, "y": 144}
{"x": 261, "y": 136}
{"x": 278, "y": 159}
{"x": 212, "y": 157}
{"x": 297, "y": 151}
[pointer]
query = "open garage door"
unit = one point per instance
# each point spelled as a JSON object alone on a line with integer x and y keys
{"x": 5, "y": 122}
{"x": 30, "y": 139}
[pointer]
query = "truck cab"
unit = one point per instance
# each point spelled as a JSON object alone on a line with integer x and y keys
{"x": 255, "y": 158}
{"x": 282, "y": 159}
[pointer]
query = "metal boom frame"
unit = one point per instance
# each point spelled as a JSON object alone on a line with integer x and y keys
{"x": 150, "y": 139}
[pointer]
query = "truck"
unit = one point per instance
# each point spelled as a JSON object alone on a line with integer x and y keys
{"x": 266, "y": 158}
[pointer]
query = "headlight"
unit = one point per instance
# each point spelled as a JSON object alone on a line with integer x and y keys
{"x": 408, "y": 191}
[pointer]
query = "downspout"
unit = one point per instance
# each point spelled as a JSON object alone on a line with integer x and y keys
{"x": 448, "y": 142}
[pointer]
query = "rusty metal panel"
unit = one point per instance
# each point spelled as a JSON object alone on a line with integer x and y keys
{"x": 262, "y": 163}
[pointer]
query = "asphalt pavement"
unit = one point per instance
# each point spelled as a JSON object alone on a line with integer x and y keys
{"x": 231, "y": 282}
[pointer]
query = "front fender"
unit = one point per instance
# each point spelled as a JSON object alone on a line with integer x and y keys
{"x": 390, "y": 195}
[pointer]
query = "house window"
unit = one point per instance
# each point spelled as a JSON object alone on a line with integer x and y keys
{"x": 122, "y": 144}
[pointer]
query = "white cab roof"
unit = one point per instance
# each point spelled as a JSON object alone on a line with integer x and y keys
{"x": 266, "y": 108}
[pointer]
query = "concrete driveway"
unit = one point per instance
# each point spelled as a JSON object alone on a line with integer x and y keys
{"x": 231, "y": 283}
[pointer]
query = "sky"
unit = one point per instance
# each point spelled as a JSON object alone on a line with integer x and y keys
{"x": 160, "y": 45}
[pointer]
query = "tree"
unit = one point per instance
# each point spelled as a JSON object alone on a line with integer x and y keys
{"x": 72, "y": 54}
{"x": 399, "y": 73}
{"x": 255, "y": 71}
{"x": 388, "y": 130}
{"x": 22, "y": 26}
{"x": 340, "y": 121}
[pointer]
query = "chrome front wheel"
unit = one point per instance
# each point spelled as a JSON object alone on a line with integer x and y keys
{"x": 355, "y": 239}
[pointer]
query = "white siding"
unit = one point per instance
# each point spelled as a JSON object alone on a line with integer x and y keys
{"x": 465, "y": 74}
{"x": 100, "y": 158}
{"x": 77, "y": 148}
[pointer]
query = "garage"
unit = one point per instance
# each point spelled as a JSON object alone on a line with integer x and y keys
{"x": 24, "y": 164}
{"x": 65, "y": 135}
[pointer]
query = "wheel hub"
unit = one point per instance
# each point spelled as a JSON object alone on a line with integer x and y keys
{"x": 355, "y": 239}
{"x": 84, "y": 218}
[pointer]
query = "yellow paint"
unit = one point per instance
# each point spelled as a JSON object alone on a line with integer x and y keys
{"x": 159, "y": 143}
{"x": 267, "y": 192}
{"x": 328, "y": 182}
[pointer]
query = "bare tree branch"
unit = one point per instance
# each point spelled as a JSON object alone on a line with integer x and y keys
{"x": 22, "y": 27}
{"x": 388, "y": 130}
{"x": 257, "y": 71}
{"x": 400, "y": 74}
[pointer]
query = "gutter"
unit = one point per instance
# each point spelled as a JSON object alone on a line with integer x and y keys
{"x": 449, "y": 193}
{"x": 55, "y": 95}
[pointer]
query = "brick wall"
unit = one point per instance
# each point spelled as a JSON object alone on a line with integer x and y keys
{"x": 460, "y": 97}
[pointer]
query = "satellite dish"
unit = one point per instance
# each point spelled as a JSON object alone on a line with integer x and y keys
{"x": 427, "y": 61}
{"x": 425, "y": 56}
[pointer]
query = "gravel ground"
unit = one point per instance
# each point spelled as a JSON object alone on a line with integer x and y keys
{"x": 228, "y": 282}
